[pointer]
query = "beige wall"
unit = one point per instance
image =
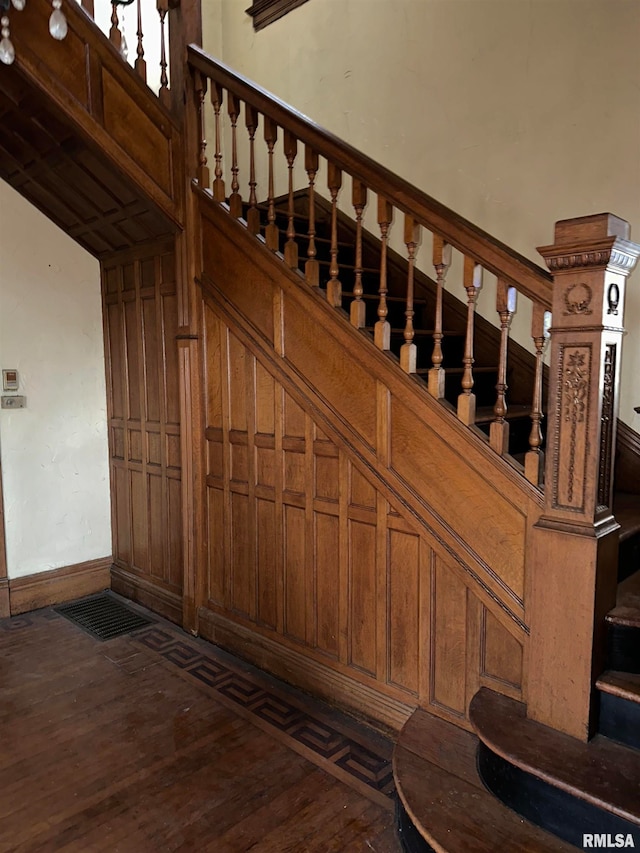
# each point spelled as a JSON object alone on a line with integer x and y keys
{"x": 54, "y": 453}
{"x": 513, "y": 112}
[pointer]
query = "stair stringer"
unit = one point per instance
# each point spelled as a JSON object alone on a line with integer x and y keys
{"x": 262, "y": 326}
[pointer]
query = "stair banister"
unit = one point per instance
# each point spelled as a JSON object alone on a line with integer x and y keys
{"x": 491, "y": 254}
{"x": 574, "y": 546}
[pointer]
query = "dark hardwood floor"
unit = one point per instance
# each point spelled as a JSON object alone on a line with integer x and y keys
{"x": 157, "y": 741}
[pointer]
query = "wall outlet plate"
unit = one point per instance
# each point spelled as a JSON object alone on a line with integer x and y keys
{"x": 15, "y": 401}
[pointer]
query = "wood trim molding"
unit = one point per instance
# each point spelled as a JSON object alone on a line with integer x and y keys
{"x": 5, "y": 610}
{"x": 64, "y": 584}
{"x": 302, "y": 671}
{"x": 265, "y": 12}
{"x": 151, "y": 595}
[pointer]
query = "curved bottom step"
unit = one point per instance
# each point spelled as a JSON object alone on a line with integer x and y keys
{"x": 444, "y": 805}
{"x": 570, "y": 788}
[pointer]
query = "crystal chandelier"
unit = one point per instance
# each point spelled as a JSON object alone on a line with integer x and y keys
{"x": 57, "y": 26}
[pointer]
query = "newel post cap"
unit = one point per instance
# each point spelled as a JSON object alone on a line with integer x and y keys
{"x": 600, "y": 241}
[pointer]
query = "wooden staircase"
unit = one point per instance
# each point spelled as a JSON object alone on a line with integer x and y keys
{"x": 362, "y": 498}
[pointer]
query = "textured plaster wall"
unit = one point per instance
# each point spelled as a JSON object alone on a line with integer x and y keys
{"x": 54, "y": 453}
{"x": 515, "y": 113}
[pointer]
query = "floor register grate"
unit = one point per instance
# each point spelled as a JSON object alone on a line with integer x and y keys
{"x": 103, "y": 616}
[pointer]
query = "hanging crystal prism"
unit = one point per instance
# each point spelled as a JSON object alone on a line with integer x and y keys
{"x": 18, "y": 4}
{"x": 57, "y": 21}
{"x": 7, "y": 52}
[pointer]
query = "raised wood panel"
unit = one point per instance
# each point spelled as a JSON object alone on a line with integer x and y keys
{"x": 148, "y": 146}
{"x": 501, "y": 654}
{"x": 143, "y": 403}
{"x": 467, "y": 500}
{"x": 448, "y": 640}
{"x": 404, "y": 580}
{"x": 306, "y": 550}
{"x": 487, "y": 522}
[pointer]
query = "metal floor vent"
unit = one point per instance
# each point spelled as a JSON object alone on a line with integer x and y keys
{"x": 103, "y": 616}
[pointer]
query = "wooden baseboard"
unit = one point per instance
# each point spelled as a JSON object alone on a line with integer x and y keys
{"x": 5, "y": 610}
{"x": 145, "y": 592}
{"x": 58, "y": 585}
{"x": 304, "y": 672}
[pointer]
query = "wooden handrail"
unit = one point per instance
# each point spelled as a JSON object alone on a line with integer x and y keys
{"x": 497, "y": 258}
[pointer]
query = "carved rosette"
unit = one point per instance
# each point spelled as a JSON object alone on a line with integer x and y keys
{"x": 606, "y": 425}
{"x": 572, "y": 417}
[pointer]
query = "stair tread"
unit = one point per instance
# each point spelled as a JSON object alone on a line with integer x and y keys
{"x": 600, "y": 772}
{"x": 437, "y": 780}
{"x": 626, "y": 508}
{"x": 627, "y": 609}
{"x": 622, "y": 684}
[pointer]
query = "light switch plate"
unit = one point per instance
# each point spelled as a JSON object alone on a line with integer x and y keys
{"x": 10, "y": 380}
{"x": 16, "y": 401}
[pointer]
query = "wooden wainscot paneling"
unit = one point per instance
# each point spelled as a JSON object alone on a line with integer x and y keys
{"x": 64, "y": 584}
{"x": 140, "y": 316}
{"x": 316, "y": 571}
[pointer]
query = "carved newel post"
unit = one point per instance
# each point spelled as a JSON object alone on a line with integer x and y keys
{"x": 574, "y": 546}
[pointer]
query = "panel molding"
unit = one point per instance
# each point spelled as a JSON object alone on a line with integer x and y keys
{"x": 64, "y": 584}
{"x": 265, "y": 12}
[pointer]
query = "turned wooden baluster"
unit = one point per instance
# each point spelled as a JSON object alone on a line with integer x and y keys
{"x": 140, "y": 64}
{"x": 408, "y": 349}
{"x": 164, "y": 94}
{"x": 202, "y": 173}
{"x": 271, "y": 236}
{"x": 235, "y": 199}
{"x": 253, "y": 214}
{"x": 358, "y": 308}
{"x": 467, "y": 400}
{"x": 311, "y": 267}
{"x": 334, "y": 287}
{"x": 219, "y": 192}
{"x": 291, "y": 247}
{"x": 441, "y": 263}
{"x": 115, "y": 36}
{"x": 534, "y": 457}
{"x": 499, "y": 429}
{"x": 382, "y": 329}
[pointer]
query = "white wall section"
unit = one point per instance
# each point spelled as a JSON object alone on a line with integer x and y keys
{"x": 54, "y": 452}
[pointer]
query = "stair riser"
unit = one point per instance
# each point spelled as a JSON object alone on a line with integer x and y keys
{"x": 620, "y": 719}
{"x": 623, "y": 654}
{"x": 549, "y": 807}
{"x": 629, "y": 557}
{"x": 410, "y": 838}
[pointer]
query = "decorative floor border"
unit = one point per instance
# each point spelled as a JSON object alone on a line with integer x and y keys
{"x": 330, "y": 738}
{"x": 330, "y": 743}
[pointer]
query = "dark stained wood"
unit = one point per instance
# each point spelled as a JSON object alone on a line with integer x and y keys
{"x": 265, "y": 12}
{"x": 493, "y": 255}
{"x": 627, "y": 462}
{"x": 601, "y": 772}
{"x": 622, "y": 684}
{"x": 626, "y": 613}
{"x": 141, "y": 324}
{"x": 114, "y": 746}
{"x": 438, "y": 783}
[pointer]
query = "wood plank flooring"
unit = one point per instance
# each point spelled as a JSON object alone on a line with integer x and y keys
{"x": 160, "y": 742}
